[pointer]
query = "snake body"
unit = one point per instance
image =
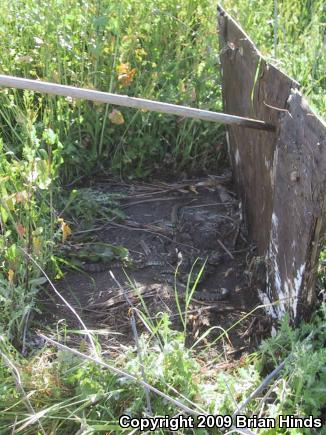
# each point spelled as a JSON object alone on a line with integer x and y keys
{"x": 211, "y": 296}
{"x": 185, "y": 265}
{"x": 105, "y": 266}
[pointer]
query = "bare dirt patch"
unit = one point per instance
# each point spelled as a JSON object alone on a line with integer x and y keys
{"x": 171, "y": 226}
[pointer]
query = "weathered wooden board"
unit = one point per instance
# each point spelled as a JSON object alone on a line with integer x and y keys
{"x": 252, "y": 88}
{"x": 299, "y": 200}
{"x": 280, "y": 176}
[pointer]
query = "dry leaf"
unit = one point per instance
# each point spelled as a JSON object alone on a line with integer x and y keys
{"x": 182, "y": 88}
{"x": 11, "y": 274}
{"x": 125, "y": 74}
{"x": 37, "y": 245}
{"x": 55, "y": 77}
{"x": 38, "y": 41}
{"x": 193, "y": 95}
{"x": 123, "y": 68}
{"x": 21, "y": 230}
{"x": 66, "y": 231}
{"x": 21, "y": 196}
{"x": 116, "y": 117}
{"x": 126, "y": 79}
{"x": 205, "y": 321}
{"x": 24, "y": 59}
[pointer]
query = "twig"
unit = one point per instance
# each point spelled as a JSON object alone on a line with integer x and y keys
{"x": 277, "y": 108}
{"x": 184, "y": 397}
{"x": 155, "y": 233}
{"x": 130, "y": 204}
{"x": 91, "y": 230}
{"x": 210, "y": 204}
{"x": 236, "y": 236}
{"x": 136, "y": 338}
{"x": 71, "y": 308}
{"x": 225, "y": 249}
{"x": 25, "y": 332}
{"x": 143, "y": 290}
{"x": 13, "y": 429}
{"x": 248, "y": 330}
{"x": 123, "y": 374}
{"x": 165, "y": 187}
{"x": 262, "y": 402}
{"x": 145, "y": 247}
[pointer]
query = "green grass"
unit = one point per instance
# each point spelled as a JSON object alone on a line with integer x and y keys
{"x": 69, "y": 392}
{"x": 171, "y": 49}
{"x": 163, "y": 50}
{"x": 300, "y": 40}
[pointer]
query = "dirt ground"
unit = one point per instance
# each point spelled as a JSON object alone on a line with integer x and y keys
{"x": 167, "y": 226}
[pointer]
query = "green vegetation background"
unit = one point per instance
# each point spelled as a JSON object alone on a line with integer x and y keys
{"x": 164, "y": 50}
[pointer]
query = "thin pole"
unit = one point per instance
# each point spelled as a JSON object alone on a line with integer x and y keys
{"x": 136, "y": 103}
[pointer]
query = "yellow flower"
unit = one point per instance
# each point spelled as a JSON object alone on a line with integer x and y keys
{"x": 65, "y": 228}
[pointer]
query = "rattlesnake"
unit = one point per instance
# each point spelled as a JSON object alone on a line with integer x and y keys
{"x": 212, "y": 259}
{"x": 211, "y": 296}
{"x": 105, "y": 266}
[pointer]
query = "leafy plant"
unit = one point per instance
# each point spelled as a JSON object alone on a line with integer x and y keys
{"x": 28, "y": 223}
{"x": 86, "y": 205}
{"x": 171, "y": 55}
{"x": 305, "y": 372}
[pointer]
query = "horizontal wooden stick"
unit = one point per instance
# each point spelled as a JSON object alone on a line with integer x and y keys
{"x": 136, "y": 103}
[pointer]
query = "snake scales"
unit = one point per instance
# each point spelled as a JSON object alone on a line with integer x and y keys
{"x": 211, "y": 296}
{"x": 213, "y": 259}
